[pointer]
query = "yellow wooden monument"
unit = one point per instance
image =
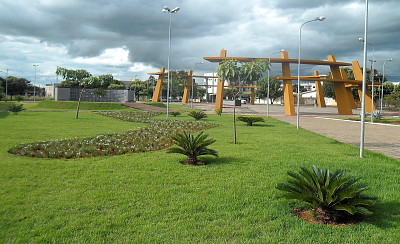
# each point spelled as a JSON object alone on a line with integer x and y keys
{"x": 342, "y": 85}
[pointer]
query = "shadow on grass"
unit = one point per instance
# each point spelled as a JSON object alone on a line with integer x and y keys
{"x": 386, "y": 215}
{"x": 4, "y": 115}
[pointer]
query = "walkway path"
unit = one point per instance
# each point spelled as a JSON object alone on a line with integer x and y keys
{"x": 381, "y": 138}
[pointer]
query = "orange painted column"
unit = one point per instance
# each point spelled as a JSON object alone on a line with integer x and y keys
{"x": 359, "y": 76}
{"x": 320, "y": 92}
{"x": 288, "y": 98}
{"x": 158, "y": 89}
{"x": 350, "y": 96}
{"x": 219, "y": 98}
{"x": 342, "y": 99}
{"x": 188, "y": 87}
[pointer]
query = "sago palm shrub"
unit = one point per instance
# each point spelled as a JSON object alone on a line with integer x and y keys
{"x": 192, "y": 146}
{"x": 198, "y": 115}
{"x": 250, "y": 120}
{"x": 336, "y": 195}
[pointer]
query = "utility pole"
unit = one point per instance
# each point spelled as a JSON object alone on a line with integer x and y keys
{"x": 34, "y": 86}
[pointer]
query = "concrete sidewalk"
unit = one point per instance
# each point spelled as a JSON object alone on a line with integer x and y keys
{"x": 381, "y": 138}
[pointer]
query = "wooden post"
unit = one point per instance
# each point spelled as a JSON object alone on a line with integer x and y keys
{"x": 158, "y": 89}
{"x": 287, "y": 87}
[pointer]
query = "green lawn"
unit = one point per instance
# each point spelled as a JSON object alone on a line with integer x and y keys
{"x": 46, "y": 105}
{"x": 151, "y": 198}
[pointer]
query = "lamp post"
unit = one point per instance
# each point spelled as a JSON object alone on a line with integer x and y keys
{"x": 372, "y": 75}
{"x": 269, "y": 62}
{"x": 201, "y": 62}
{"x": 364, "y": 82}
{"x": 173, "y": 11}
{"x": 34, "y": 86}
{"x": 383, "y": 80}
{"x": 321, "y": 18}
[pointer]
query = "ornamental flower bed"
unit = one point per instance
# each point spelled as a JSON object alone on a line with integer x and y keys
{"x": 156, "y": 136}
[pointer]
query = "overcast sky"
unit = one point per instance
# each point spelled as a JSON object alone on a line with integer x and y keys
{"x": 129, "y": 38}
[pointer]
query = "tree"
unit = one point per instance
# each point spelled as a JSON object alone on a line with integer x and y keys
{"x": 16, "y": 86}
{"x": 247, "y": 73}
{"x": 81, "y": 78}
{"x": 275, "y": 90}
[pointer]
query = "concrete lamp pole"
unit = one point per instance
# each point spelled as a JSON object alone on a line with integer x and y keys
{"x": 191, "y": 103}
{"x": 321, "y": 18}
{"x": 269, "y": 62}
{"x": 174, "y": 11}
{"x": 34, "y": 86}
{"x": 372, "y": 75}
{"x": 383, "y": 80}
{"x": 364, "y": 82}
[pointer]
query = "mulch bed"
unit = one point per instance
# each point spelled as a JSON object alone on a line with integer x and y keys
{"x": 318, "y": 216}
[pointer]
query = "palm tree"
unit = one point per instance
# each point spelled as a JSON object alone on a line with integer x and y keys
{"x": 192, "y": 146}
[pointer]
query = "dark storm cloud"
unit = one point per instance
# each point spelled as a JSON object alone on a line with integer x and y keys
{"x": 252, "y": 28}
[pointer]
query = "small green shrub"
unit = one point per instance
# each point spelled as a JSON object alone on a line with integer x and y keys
{"x": 335, "y": 194}
{"x": 19, "y": 98}
{"x": 218, "y": 111}
{"x": 192, "y": 146}
{"x": 16, "y": 108}
{"x": 198, "y": 115}
{"x": 250, "y": 120}
{"x": 175, "y": 113}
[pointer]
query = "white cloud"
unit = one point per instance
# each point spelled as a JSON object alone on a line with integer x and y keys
{"x": 113, "y": 57}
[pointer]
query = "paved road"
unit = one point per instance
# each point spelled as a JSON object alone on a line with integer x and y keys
{"x": 381, "y": 138}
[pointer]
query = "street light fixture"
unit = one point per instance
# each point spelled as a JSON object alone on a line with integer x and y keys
{"x": 364, "y": 82}
{"x": 174, "y": 11}
{"x": 372, "y": 75}
{"x": 34, "y": 86}
{"x": 383, "y": 80}
{"x": 321, "y": 18}
{"x": 191, "y": 103}
{"x": 269, "y": 62}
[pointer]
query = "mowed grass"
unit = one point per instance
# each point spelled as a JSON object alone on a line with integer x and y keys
{"x": 46, "y": 105}
{"x": 151, "y": 198}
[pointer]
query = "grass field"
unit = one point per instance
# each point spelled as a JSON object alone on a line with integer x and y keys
{"x": 151, "y": 198}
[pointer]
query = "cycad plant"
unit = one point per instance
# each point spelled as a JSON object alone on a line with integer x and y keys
{"x": 198, "y": 115}
{"x": 192, "y": 146}
{"x": 250, "y": 120}
{"x": 335, "y": 194}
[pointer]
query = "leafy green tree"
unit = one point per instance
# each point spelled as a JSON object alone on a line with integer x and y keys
{"x": 393, "y": 99}
{"x": 240, "y": 74}
{"x": 335, "y": 194}
{"x": 16, "y": 86}
{"x": 116, "y": 86}
{"x": 275, "y": 90}
{"x": 192, "y": 146}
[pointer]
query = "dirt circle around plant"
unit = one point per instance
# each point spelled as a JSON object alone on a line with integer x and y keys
{"x": 318, "y": 216}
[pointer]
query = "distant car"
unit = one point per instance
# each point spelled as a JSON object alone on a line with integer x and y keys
{"x": 243, "y": 101}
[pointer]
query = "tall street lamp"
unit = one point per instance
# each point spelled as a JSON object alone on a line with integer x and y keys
{"x": 34, "y": 86}
{"x": 372, "y": 75}
{"x": 191, "y": 103}
{"x": 269, "y": 62}
{"x": 383, "y": 80}
{"x": 321, "y": 18}
{"x": 173, "y": 11}
{"x": 364, "y": 82}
